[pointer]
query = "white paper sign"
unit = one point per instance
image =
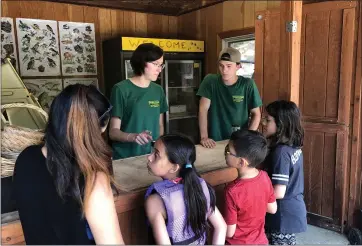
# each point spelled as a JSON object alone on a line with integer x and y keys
{"x": 44, "y": 89}
{"x": 8, "y": 46}
{"x": 38, "y": 47}
{"x": 78, "y": 48}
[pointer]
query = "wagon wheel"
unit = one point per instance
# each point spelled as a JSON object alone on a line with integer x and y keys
{"x": 355, "y": 236}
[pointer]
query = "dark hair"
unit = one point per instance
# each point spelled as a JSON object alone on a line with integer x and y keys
{"x": 250, "y": 145}
{"x": 287, "y": 118}
{"x": 144, "y": 53}
{"x": 76, "y": 150}
{"x": 181, "y": 150}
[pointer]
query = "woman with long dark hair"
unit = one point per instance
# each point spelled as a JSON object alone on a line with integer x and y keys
{"x": 283, "y": 128}
{"x": 63, "y": 189}
{"x": 180, "y": 207}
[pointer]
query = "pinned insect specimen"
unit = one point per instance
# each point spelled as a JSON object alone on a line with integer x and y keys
{"x": 90, "y": 58}
{"x": 35, "y": 26}
{"x": 39, "y": 59}
{"x": 68, "y": 48}
{"x": 39, "y": 38}
{"x": 78, "y": 39}
{"x": 51, "y": 62}
{"x": 26, "y": 57}
{"x": 79, "y": 69}
{"x": 78, "y": 60}
{"x": 23, "y": 26}
{"x": 50, "y": 29}
{"x": 89, "y": 48}
{"x": 43, "y": 46}
{"x": 2, "y": 37}
{"x": 89, "y": 68}
{"x": 68, "y": 58}
{"x": 65, "y": 27}
{"x": 32, "y": 33}
{"x": 87, "y": 38}
{"x": 52, "y": 42}
{"x": 31, "y": 64}
{"x": 88, "y": 29}
{"x": 35, "y": 48}
{"x": 76, "y": 30}
{"x": 78, "y": 49}
{"x": 41, "y": 68}
{"x": 25, "y": 49}
{"x": 9, "y": 48}
{"x": 54, "y": 52}
{"x": 6, "y": 26}
{"x": 69, "y": 70}
{"x": 67, "y": 41}
{"x": 25, "y": 40}
{"x": 67, "y": 36}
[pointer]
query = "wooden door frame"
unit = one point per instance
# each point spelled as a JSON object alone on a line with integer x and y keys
{"x": 342, "y": 158}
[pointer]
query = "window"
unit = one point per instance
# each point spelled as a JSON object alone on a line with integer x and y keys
{"x": 246, "y": 45}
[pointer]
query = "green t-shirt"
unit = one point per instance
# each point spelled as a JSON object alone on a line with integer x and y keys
{"x": 139, "y": 110}
{"x": 230, "y": 105}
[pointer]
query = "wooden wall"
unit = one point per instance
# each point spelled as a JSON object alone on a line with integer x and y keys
{"x": 205, "y": 24}
{"x": 109, "y": 23}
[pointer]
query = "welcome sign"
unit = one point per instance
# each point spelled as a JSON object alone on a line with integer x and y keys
{"x": 168, "y": 45}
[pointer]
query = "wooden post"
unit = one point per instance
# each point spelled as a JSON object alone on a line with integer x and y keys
{"x": 289, "y": 72}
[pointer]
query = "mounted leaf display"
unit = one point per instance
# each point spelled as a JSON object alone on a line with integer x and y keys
{"x": 45, "y": 90}
{"x": 38, "y": 47}
{"x": 8, "y": 46}
{"x": 78, "y": 48}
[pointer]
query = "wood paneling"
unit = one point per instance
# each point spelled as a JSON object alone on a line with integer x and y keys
{"x": 130, "y": 211}
{"x": 355, "y": 198}
{"x": 328, "y": 50}
{"x": 207, "y": 23}
{"x": 108, "y": 23}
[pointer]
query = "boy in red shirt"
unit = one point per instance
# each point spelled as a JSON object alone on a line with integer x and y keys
{"x": 251, "y": 195}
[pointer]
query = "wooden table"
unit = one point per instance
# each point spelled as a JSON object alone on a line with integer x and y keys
{"x": 132, "y": 176}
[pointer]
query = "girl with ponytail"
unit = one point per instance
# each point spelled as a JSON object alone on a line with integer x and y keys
{"x": 63, "y": 189}
{"x": 180, "y": 208}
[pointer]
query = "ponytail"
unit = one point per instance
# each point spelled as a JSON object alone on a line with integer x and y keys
{"x": 195, "y": 200}
{"x": 181, "y": 150}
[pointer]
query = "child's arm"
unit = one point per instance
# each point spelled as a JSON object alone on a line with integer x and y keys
{"x": 230, "y": 230}
{"x": 230, "y": 214}
{"x": 272, "y": 207}
{"x": 279, "y": 191}
{"x": 156, "y": 214}
{"x": 219, "y": 225}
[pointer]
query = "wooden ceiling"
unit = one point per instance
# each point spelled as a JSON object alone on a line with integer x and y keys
{"x": 165, "y": 7}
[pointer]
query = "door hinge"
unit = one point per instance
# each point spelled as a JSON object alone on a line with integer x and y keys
{"x": 292, "y": 26}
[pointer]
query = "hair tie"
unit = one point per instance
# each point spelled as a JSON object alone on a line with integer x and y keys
{"x": 188, "y": 165}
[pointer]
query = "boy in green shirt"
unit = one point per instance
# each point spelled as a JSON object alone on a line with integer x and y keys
{"x": 138, "y": 105}
{"x": 227, "y": 100}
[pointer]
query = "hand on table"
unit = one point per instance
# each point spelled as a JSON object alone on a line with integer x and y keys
{"x": 208, "y": 143}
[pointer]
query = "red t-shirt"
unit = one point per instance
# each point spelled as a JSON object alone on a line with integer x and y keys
{"x": 245, "y": 205}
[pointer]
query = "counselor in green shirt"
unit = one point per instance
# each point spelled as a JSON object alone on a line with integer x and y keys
{"x": 227, "y": 101}
{"x": 138, "y": 105}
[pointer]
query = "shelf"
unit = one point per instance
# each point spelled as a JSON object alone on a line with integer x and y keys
{"x": 185, "y": 115}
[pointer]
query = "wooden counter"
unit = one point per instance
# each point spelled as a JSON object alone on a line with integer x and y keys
{"x": 133, "y": 177}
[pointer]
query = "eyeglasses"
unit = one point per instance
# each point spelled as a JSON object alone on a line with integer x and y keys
{"x": 162, "y": 66}
{"x": 107, "y": 112}
{"x": 227, "y": 152}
